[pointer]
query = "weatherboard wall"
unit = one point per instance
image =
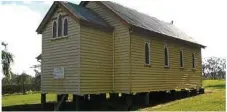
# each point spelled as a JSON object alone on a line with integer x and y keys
{"x": 155, "y": 77}
{"x": 96, "y": 62}
{"x": 63, "y": 52}
{"x": 121, "y": 44}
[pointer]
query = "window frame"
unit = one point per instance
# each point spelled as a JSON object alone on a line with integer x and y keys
{"x": 56, "y": 29}
{"x": 58, "y": 25}
{"x": 166, "y": 48}
{"x": 182, "y": 58}
{"x": 193, "y": 61}
{"x": 63, "y": 28}
{"x": 149, "y": 52}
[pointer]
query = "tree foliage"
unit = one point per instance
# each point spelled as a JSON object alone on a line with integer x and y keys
{"x": 37, "y": 70}
{"x": 7, "y": 60}
{"x": 214, "y": 68}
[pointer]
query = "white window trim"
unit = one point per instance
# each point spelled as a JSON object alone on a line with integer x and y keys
{"x": 194, "y": 61}
{"x": 53, "y": 28}
{"x": 64, "y": 27}
{"x": 149, "y": 52}
{"x": 167, "y": 56}
{"x": 182, "y": 58}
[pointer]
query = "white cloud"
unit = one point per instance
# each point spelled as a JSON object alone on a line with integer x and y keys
{"x": 17, "y": 25}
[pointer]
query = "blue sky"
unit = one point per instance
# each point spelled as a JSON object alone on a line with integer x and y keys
{"x": 204, "y": 20}
{"x": 38, "y": 6}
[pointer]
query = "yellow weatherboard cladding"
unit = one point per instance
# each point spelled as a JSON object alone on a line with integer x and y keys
{"x": 61, "y": 53}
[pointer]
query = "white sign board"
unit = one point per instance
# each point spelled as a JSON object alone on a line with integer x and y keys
{"x": 58, "y": 73}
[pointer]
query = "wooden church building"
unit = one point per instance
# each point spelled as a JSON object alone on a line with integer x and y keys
{"x": 100, "y": 47}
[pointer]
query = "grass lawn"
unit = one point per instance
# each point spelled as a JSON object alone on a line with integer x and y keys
{"x": 212, "y": 100}
{"x": 20, "y": 99}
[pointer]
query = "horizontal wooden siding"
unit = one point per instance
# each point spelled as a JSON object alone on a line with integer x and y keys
{"x": 121, "y": 49}
{"x": 156, "y": 77}
{"x": 96, "y": 61}
{"x": 61, "y": 53}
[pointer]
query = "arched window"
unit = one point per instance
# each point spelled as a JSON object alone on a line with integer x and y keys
{"x": 60, "y": 25}
{"x": 166, "y": 57}
{"x": 181, "y": 59}
{"x": 54, "y": 29}
{"x": 65, "y": 28}
{"x": 147, "y": 53}
{"x": 193, "y": 60}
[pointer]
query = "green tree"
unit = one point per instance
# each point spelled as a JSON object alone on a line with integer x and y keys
{"x": 37, "y": 70}
{"x": 7, "y": 60}
{"x": 12, "y": 81}
{"x": 214, "y": 68}
{"x": 24, "y": 79}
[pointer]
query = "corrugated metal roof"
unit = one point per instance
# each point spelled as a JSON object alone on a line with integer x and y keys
{"x": 85, "y": 14}
{"x": 144, "y": 21}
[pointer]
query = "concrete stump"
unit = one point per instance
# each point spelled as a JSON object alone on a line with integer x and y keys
{"x": 59, "y": 106}
{"x": 173, "y": 95}
{"x": 43, "y": 100}
{"x": 188, "y": 93}
{"x": 153, "y": 97}
{"x": 167, "y": 96}
{"x": 147, "y": 99}
{"x": 78, "y": 101}
{"x": 193, "y": 92}
{"x": 183, "y": 93}
{"x": 137, "y": 99}
{"x": 156, "y": 97}
{"x": 201, "y": 91}
{"x": 128, "y": 98}
{"x": 178, "y": 95}
{"x": 113, "y": 100}
{"x": 162, "y": 96}
{"x": 97, "y": 100}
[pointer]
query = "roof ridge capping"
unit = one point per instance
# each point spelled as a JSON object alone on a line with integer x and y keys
{"x": 145, "y": 21}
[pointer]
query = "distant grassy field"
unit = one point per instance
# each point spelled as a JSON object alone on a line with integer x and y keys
{"x": 212, "y": 100}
